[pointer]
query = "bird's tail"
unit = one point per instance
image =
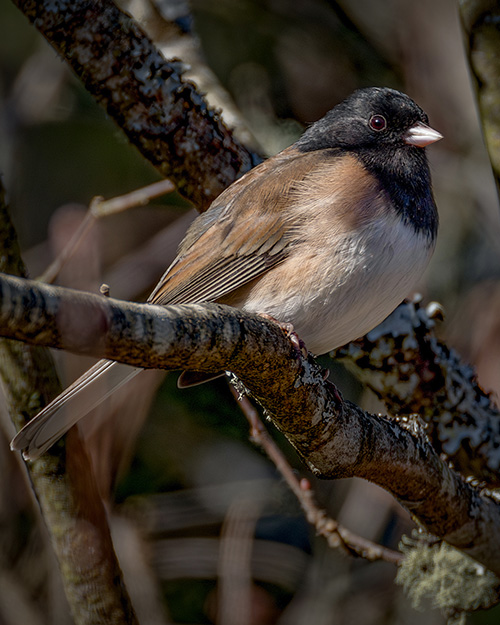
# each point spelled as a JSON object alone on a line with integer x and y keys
{"x": 93, "y": 387}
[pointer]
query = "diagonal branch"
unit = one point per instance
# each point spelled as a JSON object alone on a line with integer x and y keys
{"x": 162, "y": 114}
{"x": 336, "y": 535}
{"x": 335, "y": 438}
{"x": 413, "y": 372}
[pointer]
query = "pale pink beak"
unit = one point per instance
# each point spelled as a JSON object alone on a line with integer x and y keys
{"x": 421, "y": 135}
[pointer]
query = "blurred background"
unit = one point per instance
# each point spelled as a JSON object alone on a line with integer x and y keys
{"x": 177, "y": 469}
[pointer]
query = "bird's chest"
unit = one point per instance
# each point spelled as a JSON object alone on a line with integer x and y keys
{"x": 339, "y": 286}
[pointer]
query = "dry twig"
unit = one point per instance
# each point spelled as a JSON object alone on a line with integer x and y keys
{"x": 336, "y": 535}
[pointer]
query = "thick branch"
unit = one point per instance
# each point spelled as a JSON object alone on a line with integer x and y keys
{"x": 337, "y": 439}
{"x": 164, "y": 116}
{"x": 412, "y": 372}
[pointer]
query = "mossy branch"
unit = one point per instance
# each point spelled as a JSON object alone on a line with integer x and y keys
{"x": 482, "y": 36}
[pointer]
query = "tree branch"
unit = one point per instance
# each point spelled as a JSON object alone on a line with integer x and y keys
{"x": 480, "y": 25}
{"x": 335, "y": 534}
{"x": 412, "y": 372}
{"x": 163, "y": 115}
{"x": 335, "y": 438}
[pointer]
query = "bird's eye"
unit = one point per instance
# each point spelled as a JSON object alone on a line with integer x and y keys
{"x": 378, "y": 123}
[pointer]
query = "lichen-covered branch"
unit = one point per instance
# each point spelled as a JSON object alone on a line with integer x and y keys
{"x": 162, "y": 114}
{"x": 335, "y": 438}
{"x": 480, "y": 20}
{"x": 67, "y": 493}
{"x": 413, "y": 372}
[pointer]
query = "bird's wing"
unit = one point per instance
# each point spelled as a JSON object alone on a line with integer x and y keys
{"x": 248, "y": 227}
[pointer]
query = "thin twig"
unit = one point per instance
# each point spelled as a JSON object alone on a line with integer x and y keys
{"x": 52, "y": 271}
{"x": 138, "y": 197}
{"x": 335, "y": 534}
{"x": 98, "y": 208}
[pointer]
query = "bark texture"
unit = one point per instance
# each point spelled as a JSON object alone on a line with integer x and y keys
{"x": 480, "y": 19}
{"x": 162, "y": 114}
{"x": 413, "y": 372}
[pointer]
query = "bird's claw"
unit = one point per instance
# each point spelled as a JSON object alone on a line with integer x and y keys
{"x": 289, "y": 331}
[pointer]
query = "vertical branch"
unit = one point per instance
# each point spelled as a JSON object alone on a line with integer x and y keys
{"x": 480, "y": 23}
{"x": 63, "y": 481}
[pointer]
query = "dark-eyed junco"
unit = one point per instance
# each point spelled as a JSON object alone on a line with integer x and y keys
{"x": 329, "y": 235}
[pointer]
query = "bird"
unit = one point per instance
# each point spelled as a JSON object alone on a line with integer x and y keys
{"x": 329, "y": 235}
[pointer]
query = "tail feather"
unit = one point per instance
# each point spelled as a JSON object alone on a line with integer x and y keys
{"x": 88, "y": 391}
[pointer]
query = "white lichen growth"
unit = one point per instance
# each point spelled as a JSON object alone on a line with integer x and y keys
{"x": 453, "y": 582}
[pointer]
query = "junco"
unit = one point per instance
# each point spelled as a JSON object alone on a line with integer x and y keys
{"x": 329, "y": 235}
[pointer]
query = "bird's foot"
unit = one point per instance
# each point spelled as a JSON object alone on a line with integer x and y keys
{"x": 290, "y": 333}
